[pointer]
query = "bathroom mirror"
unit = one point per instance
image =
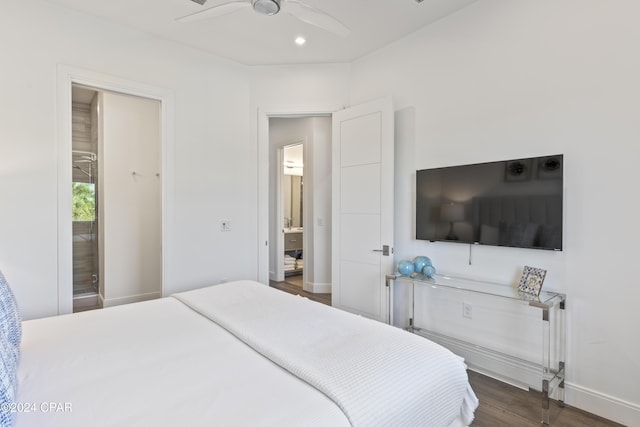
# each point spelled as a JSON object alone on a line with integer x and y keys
{"x": 292, "y": 185}
{"x": 292, "y": 188}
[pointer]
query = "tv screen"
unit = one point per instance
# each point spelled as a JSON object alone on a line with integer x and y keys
{"x": 516, "y": 203}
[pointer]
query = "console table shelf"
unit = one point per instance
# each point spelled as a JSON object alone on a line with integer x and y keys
{"x": 551, "y": 304}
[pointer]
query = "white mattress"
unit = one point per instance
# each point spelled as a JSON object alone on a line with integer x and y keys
{"x": 162, "y": 362}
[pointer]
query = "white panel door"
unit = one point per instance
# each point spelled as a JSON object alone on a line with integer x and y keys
{"x": 362, "y": 207}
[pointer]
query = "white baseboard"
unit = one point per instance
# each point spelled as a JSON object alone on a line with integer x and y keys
{"x": 603, "y": 405}
{"x": 524, "y": 374}
{"x": 112, "y": 302}
{"x": 320, "y": 288}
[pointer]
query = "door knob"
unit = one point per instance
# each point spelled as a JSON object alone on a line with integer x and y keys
{"x": 384, "y": 250}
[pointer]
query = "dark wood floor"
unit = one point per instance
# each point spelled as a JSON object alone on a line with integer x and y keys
{"x": 504, "y": 405}
{"x": 293, "y": 285}
{"x": 501, "y": 405}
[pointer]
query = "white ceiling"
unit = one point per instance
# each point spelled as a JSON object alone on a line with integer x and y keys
{"x": 249, "y": 38}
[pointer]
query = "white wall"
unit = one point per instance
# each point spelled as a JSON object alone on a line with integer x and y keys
{"x": 211, "y": 126}
{"x": 505, "y": 79}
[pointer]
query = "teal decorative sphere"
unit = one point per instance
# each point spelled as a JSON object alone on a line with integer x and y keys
{"x": 429, "y": 270}
{"x": 406, "y": 268}
{"x": 420, "y": 262}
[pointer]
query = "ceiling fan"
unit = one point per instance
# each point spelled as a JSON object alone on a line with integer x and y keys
{"x": 296, "y": 8}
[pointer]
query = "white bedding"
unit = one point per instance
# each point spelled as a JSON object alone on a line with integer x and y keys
{"x": 162, "y": 363}
{"x": 157, "y": 363}
{"x": 377, "y": 374}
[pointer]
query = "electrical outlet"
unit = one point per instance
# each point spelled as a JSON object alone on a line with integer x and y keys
{"x": 225, "y": 225}
{"x": 467, "y": 311}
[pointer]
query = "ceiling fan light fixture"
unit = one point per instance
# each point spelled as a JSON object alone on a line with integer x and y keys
{"x": 266, "y": 7}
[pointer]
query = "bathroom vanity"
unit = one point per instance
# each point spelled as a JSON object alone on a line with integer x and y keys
{"x": 293, "y": 248}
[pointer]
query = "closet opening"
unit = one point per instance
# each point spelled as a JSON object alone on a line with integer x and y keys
{"x": 116, "y": 196}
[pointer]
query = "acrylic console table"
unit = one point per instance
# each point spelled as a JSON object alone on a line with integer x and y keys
{"x": 551, "y": 305}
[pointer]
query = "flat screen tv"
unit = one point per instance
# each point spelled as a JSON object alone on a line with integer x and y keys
{"x": 516, "y": 203}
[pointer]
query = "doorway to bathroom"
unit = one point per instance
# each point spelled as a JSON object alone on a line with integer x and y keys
{"x": 300, "y": 202}
{"x": 292, "y": 208}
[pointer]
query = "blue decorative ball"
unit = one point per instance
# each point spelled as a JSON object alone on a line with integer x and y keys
{"x": 420, "y": 262}
{"x": 406, "y": 268}
{"x": 429, "y": 270}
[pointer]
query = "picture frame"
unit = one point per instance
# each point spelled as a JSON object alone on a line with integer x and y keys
{"x": 531, "y": 280}
{"x": 517, "y": 170}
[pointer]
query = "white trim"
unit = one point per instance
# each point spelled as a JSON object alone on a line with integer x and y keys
{"x": 308, "y": 228}
{"x": 606, "y": 406}
{"x": 66, "y": 76}
{"x": 279, "y": 273}
{"x": 263, "y": 197}
{"x": 320, "y": 288}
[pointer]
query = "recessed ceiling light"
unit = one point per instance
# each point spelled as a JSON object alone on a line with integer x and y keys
{"x": 300, "y": 40}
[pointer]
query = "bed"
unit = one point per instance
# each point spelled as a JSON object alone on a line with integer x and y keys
{"x": 240, "y": 354}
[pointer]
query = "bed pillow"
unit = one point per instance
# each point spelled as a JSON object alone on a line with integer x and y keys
{"x": 8, "y": 381}
{"x": 10, "y": 322}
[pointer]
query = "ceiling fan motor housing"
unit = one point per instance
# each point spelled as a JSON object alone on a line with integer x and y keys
{"x": 266, "y": 7}
{"x": 296, "y": 8}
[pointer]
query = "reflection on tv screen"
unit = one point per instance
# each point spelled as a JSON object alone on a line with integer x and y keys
{"x": 516, "y": 203}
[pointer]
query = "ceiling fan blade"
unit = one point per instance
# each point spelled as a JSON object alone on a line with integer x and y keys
{"x": 214, "y": 11}
{"x": 315, "y": 17}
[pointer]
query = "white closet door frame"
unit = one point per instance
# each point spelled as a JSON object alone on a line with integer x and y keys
{"x": 67, "y": 76}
